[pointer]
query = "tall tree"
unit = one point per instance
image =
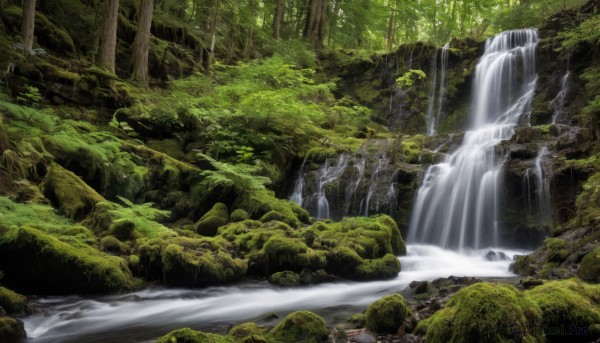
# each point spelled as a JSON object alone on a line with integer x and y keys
{"x": 278, "y": 15}
{"x": 141, "y": 44}
{"x": 28, "y": 24}
{"x": 316, "y": 17}
{"x": 108, "y": 36}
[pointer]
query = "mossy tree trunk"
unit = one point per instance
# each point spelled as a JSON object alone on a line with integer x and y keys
{"x": 108, "y": 36}
{"x": 277, "y": 18}
{"x": 141, "y": 44}
{"x": 28, "y": 24}
{"x": 316, "y": 17}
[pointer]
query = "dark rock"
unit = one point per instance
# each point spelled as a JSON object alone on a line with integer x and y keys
{"x": 530, "y": 283}
{"x": 422, "y": 287}
{"x": 408, "y": 338}
{"x": 360, "y": 336}
{"x": 11, "y": 330}
{"x": 491, "y": 256}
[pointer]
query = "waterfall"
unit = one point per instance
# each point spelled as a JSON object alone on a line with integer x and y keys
{"x": 558, "y": 103}
{"x": 438, "y": 88}
{"x": 541, "y": 177}
{"x": 383, "y": 162}
{"x": 457, "y": 203}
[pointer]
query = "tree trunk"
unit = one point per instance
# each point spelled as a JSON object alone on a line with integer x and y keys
{"x": 141, "y": 44}
{"x": 213, "y": 35}
{"x": 316, "y": 18}
{"x": 333, "y": 21}
{"x": 277, "y": 18}
{"x": 28, "y": 24}
{"x": 108, "y": 36}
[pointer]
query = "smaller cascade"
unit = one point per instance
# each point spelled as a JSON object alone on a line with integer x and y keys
{"x": 299, "y": 185}
{"x": 438, "y": 88}
{"x": 328, "y": 174}
{"x": 540, "y": 175}
{"x": 558, "y": 103}
{"x": 382, "y": 164}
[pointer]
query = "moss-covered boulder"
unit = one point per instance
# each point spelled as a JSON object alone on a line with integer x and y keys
{"x": 280, "y": 217}
{"x": 195, "y": 266}
{"x": 69, "y": 193}
{"x": 569, "y": 305}
{"x": 300, "y": 326}
{"x": 239, "y": 215}
{"x": 387, "y": 314}
{"x": 188, "y": 335}
{"x": 285, "y": 279}
{"x": 12, "y": 302}
{"x": 38, "y": 263}
{"x": 122, "y": 229}
{"x": 247, "y": 332}
{"x": 11, "y": 330}
{"x": 589, "y": 269}
{"x": 209, "y": 223}
{"x": 484, "y": 312}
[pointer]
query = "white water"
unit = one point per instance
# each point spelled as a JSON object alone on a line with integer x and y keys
{"x": 457, "y": 204}
{"x": 148, "y": 314}
{"x": 558, "y": 103}
{"x": 438, "y": 88}
{"x": 541, "y": 176}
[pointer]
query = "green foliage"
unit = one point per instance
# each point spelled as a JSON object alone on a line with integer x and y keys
{"x": 586, "y": 32}
{"x": 239, "y": 215}
{"x": 530, "y": 13}
{"x": 300, "y": 326}
{"x": 484, "y": 312}
{"x": 30, "y": 96}
{"x": 42, "y": 217}
{"x": 557, "y": 250}
{"x": 387, "y": 314}
{"x": 409, "y": 78}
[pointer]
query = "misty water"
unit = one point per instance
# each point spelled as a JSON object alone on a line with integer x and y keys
{"x": 148, "y": 314}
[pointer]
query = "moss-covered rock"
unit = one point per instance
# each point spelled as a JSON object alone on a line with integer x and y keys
{"x": 188, "y": 335}
{"x": 285, "y": 279}
{"x": 112, "y": 244}
{"x": 122, "y": 229}
{"x": 35, "y": 262}
{"x": 69, "y": 193}
{"x": 239, "y": 215}
{"x": 12, "y": 302}
{"x": 589, "y": 269}
{"x": 247, "y": 332}
{"x": 280, "y": 217}
{"x": 300, "y": 326}
{"x": 209, "y": 223}
{"x": 376, "y": 269}
{"x": 11, "y": 330}
{"x": 387, "y": 314}
{"x": 568, "y": 304}
{"x": 200, "y": 267}
{"x": 484, "y": 312}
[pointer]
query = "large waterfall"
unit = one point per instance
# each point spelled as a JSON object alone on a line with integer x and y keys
{"x": 457, "y": 203}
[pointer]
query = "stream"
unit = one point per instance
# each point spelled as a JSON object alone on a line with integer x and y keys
{"x": 146, "y": 315}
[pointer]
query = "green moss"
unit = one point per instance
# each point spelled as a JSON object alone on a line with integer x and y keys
{"x": 32, "y": 261}
{"x": 285, "y": 279}
{"x": 34, "y": 215}
{"x": 261, "y": 202}
{"x": 386, "y": 267}
{"x": 199, "y": 267}
{"x": 589, "y": 270}
{"x": 112, "y": 244}
{"x": 11, "y": 330}
{"x": 209, "y": 223}
{"x": 557, "y": 251}
{"x": 188, "y": 335}
{"x": 276, "y": 216}
{"x": 387, "y": 314}
{"x": 73, "y": 197}
{"x": 247, "y": 332}
{"x": 239, "y": 215}
{"x": 414, "y": 150}
{"x": 484, "y": 312}
{"x": 567, "y": 302}
{"x": 12, "y": 302}
{"x": 122, "y": 229}
{"x": 300, "y": 326}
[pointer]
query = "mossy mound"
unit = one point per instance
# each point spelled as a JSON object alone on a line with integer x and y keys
{"x": 200, "y": 267}
{"x": 484, "y": 312}
{"x": 261, "y": 202}
{"x": 568, "y": 304}
{"x": 589, "y": 269}
{"x": 387, "y": 314}
{"x": 239, "y": 215}
{"x": 188, "y": 335}
{"x": 11, "y": 330}
{"x": 285, "y": 279}
{"x": 247, "y": 332}
{"x": 73, "y": 197}
{"x": 300, "y": 326}
{"x": 209, "y": 223}
{"x": 11, "y": 302}
{"x": 35, "y": 262}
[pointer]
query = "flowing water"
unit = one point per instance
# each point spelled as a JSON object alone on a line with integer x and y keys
{"x": 538, "y": 179}
{"x": 145, "y": 315}
{"x": 558, "y": 103}
{"x": 457, "y": 204}
{"x": 456, "y": 207}
{"x": 438, "y": 88}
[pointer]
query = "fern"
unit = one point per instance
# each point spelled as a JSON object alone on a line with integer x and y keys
{"x": 242, "y": 177}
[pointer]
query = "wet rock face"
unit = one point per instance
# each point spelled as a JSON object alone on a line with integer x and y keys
{"x": 374, "y": 180}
